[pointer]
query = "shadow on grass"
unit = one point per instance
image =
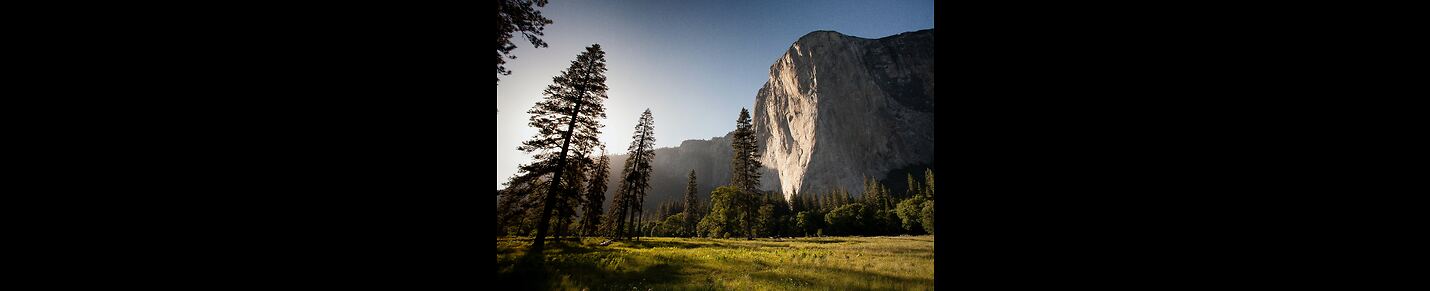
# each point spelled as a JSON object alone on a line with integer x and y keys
{"x": 528, "y": 272}
{"x": 645, "y": 244}
{"x": 573, "y": 265}
{"x": 847, "y": 279}
{"x": 705, "y": 244}
{"x": 571, "y": 248}
{"x": 599, "y": 277}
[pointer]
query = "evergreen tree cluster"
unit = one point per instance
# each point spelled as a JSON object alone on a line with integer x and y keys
{"x": 838, "y": 212}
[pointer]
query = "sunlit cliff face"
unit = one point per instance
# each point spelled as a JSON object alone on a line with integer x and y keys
{"x": 837, "y": 109}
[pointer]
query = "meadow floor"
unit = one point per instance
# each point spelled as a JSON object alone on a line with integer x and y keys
{"x": 826, "y": 263}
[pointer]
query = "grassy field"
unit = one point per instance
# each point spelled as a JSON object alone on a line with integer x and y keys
{"x": 836, "y": 263}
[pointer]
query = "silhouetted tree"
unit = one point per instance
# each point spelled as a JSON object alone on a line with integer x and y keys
{"x": 795, "y": 203}
{"x": 692, "y": 203}
{"x": 567, "y": 203}
{"x": 515, "y": 16}
{"x": 595, "y": 195}
{"x": 525, "y": 199}
{"x": 745, "y": 169}
{"x": 635, "y": 178}
{"x": 568, "y": 124}
{"x": 513, "y": 205}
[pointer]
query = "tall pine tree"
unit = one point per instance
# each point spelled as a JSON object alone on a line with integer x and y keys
{"x": 928, "y": 181}
{"x": 914, "y": 188}
{"x": 796, "y": 204}
{"x": 568, "y": 123}
{"x": 744, "y": 170}
{"x": 691, "y": 204}
{"x": 635, "y": 178}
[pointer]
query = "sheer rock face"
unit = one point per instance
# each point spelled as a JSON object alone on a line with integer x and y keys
{"x": 839, "y": 108}
{"x": 836, "y": 108}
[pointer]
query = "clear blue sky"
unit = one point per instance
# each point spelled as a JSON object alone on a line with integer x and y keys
{"x": 693, "y": 63}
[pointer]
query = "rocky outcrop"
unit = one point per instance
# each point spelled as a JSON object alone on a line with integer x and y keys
{"x": 839, "y": 108}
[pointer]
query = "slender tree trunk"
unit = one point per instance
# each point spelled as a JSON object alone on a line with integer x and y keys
{"x": 624, "y": 228}
{"x": 540, "y": 243}
{"x": 621, "y": 217}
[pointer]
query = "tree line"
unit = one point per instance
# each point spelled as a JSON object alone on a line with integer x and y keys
{"x": 735, "y": 213}
{"x": 768, "y": 214}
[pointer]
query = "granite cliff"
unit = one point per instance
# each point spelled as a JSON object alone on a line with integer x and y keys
{"x": 839, "y": 108}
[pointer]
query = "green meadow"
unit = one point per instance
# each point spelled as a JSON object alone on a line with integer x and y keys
{"x": 661, "y": 263}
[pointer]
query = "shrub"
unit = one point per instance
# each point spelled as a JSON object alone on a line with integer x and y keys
{"x": 910, "y": 211}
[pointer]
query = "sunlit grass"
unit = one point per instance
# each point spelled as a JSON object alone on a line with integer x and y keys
{"x": 881, "y": 263}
